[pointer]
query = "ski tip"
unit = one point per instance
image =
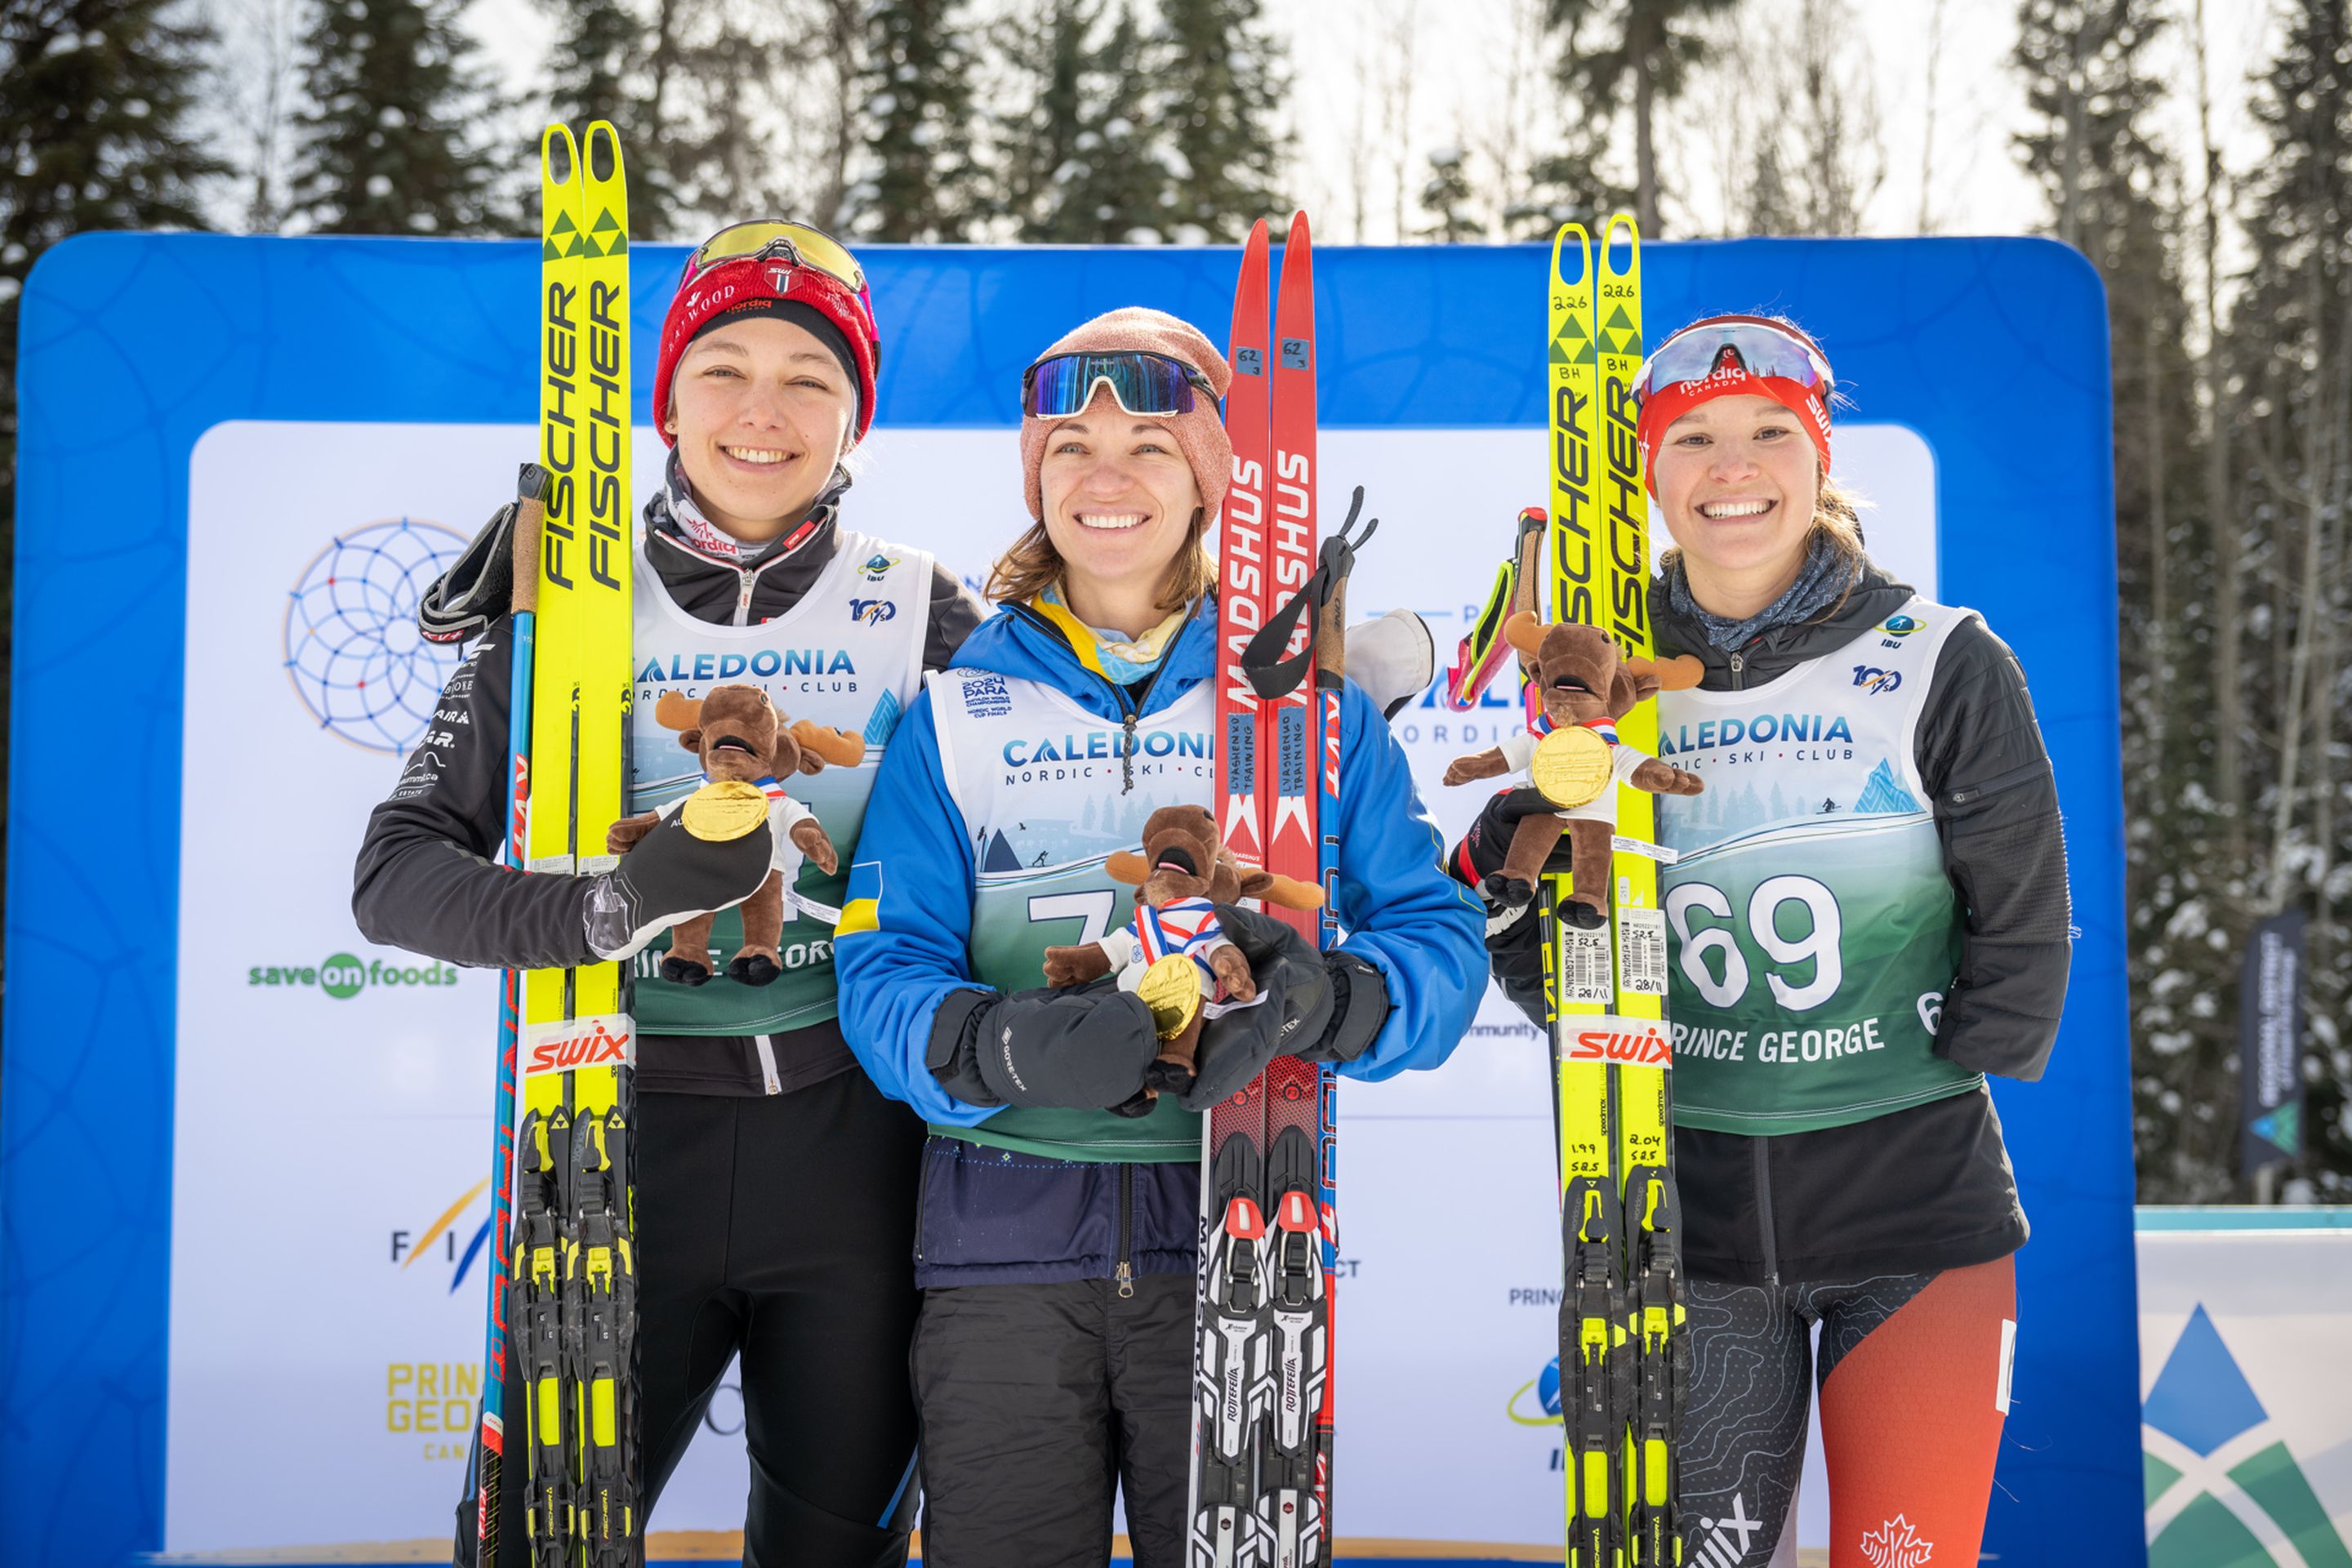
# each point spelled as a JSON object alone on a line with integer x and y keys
{"x": 1300, "y": 237}
{"x": 1261, "y": 238}
{"x": 1560, "y": 242}
{"x": 558, "y": 171}
{"x": 602, "y": 144}
{"x": 1630, "y": 238}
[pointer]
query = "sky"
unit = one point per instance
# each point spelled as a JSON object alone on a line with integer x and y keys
{"x": 1462, "y": 52}
{"x": 1378, "y": 84}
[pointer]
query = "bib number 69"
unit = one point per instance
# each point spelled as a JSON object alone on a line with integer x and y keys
{"x": 1717, "y": 967}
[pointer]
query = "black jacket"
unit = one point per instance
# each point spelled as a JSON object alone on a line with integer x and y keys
{"x": 1929, "y": 1187}
{"x": 426, "y": 878}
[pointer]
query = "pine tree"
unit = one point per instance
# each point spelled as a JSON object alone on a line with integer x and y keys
{"x": 1119, "y": 186}
{"x": 2293, "y": 384}
{"x": 1050, "y": 58}
{"x": 921, "y": 184}
{"x": 386, "y": 146}
{"x": 1647, "y": 46}
{"x": 1223, "y": 79}
{"x": 1445, "y": 197}
{"x": 94, "y": 134}
{"x": 598, "y": 46}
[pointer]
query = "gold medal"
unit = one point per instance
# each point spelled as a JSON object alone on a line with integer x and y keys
{"x": 1570, "y": 767}
{"x": 724, "y": 810}
{"x": 1171, "y": 989}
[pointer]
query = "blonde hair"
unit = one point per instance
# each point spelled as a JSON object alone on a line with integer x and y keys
{"x": 1034, "y": 566}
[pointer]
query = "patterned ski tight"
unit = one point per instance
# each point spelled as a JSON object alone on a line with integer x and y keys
{"x": 1914, "y": 1378}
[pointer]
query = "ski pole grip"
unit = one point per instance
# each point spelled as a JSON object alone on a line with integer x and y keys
{"x": 531, "y": 510}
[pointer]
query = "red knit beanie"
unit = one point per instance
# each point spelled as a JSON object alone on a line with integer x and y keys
{"x": 1200, "y": 435}
{"x": 756, "y": 285}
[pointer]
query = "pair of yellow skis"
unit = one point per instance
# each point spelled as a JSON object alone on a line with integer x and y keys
{"x": 1623, "y": 1354}
{"x": 571, "y": 1264}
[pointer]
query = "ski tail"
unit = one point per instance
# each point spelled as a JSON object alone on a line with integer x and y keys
{"x": 1230, "y": 1362}
{"x": 1657, "y": 1343}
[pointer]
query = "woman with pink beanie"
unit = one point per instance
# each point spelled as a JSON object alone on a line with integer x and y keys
{"x": 1056, "y": 1239}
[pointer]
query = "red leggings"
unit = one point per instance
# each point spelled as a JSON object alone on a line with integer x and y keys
{"x": 1914, "y": 1378}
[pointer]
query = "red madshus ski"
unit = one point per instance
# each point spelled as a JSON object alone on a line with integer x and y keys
{"x": 1230, "y": 1367}
{"x": 1262, "y": 1420}
{"x": 1294, "y": 1472}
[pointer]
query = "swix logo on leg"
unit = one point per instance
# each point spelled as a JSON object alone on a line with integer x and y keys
{"x": 1726, "y": 1542}
{"x": 602, "y": 1039}
{"x": 1896, "y": 1544}
{"x": 1637, "y": 1042}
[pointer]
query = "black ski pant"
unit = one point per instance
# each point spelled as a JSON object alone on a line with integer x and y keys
{"x": 778, "y": 1228}
{"x": 1036, "y": 1401}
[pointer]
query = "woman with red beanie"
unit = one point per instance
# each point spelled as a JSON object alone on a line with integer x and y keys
{"x": 775, "y": 1187}
{"x": 1867, "y": 914}
{"x": 1060, "y": 1206}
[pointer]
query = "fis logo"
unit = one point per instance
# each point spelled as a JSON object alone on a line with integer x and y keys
{"x": 1896, "y": 1544}
{"x": 872, "y": 612}
{"x": 406, "y": 1251}
{"x": 604, "y": 1039}
{"x": 1635, "y": 1042}
{"x": 877, "y": 566}
{"x": 1873, "y": 680}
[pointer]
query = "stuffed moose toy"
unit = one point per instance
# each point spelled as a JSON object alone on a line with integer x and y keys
{"x": 1574, "y": 759}
{"x": 738, "y": 734}
{"x": 1184, "y": 872}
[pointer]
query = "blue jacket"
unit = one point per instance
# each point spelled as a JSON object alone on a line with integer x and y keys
{"x": 903, "y": 952}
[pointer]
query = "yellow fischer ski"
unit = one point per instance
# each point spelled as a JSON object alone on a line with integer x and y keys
{"x": 1622, "y": 1353}
{"x": 1651, "y": 1219}
{"x": 575, "y": 1260}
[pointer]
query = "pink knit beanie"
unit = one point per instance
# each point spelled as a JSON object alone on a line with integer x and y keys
{"x": 1200, "y": 435}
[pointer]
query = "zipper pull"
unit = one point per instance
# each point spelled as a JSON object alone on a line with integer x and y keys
{"x": 1125, "y": 1280}
{"x": 1738, "y": 665}
{"x": 743, "y": 600}
{"x": 1127, "y": 766}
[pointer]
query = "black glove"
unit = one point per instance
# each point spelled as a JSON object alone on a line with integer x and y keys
{"x": 1082, "y": 1048}
{"x": 1315, "y": 1005}
{"x": 670, "y": 875}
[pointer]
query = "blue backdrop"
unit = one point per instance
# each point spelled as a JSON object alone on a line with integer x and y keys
{"x": 1995, "y": 352}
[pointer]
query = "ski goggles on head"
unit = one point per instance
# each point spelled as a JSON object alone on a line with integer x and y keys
{"x": 1061, "y": 386}
{"x": 1756, "y": 345}
{"x": 772, "y": 240}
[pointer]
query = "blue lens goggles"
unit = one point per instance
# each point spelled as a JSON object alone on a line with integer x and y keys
{"x": 1061, "y": 386}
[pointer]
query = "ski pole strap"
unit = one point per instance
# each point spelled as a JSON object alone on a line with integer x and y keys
{"x": 1271, "y": 676}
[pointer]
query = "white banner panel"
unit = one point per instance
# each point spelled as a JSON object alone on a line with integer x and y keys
{"x": 2246, "y": 1394}
{"x": 332, "y": 1136}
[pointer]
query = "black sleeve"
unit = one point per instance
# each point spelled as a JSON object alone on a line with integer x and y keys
{"x": 955, "y": 610}
{"x": 426, "y": 878}
{"x": 1996, "y": 801}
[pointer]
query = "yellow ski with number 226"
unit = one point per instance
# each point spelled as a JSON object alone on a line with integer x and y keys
{"x": 1623, "y": 1352}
